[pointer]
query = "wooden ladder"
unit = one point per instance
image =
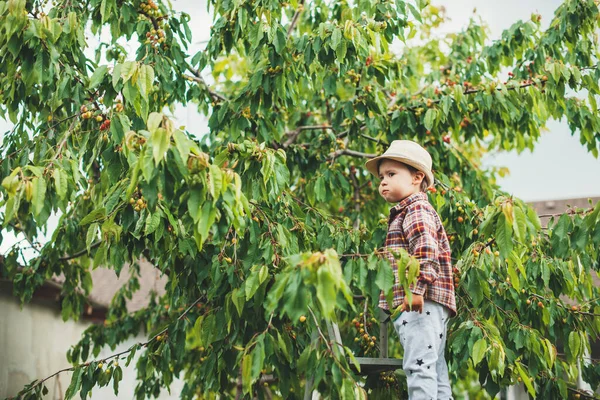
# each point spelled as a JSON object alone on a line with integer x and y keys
{"x": 368, "y": 365}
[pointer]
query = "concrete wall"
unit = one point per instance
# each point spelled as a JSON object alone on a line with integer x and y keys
{"x": 33, "y": 344}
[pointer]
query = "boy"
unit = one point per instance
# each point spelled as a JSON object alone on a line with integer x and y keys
{"x": 405, "y": 174}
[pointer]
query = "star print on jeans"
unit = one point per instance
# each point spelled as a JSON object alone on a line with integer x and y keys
{"x": 428, "y": 312}
{"x": 404, "y": 322}
{"x": 430, "y": 347}
{"x": 441, "y": 335}
{"x": 420, "y": 362}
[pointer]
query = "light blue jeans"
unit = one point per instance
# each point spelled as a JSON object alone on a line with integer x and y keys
{"x": 423, "y": 337}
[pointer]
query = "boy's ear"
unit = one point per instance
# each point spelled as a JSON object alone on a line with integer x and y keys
{"x": 418, "y": 177}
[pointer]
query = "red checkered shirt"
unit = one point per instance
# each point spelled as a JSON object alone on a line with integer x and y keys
{"x": 415, "y": 226}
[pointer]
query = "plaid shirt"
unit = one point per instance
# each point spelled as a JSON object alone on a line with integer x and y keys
{"x": 415, "y": 226}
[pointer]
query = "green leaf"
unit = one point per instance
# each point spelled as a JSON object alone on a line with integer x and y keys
{"x": 160, "y": 140}
{"x": 526, "y": 379}
{"x": 267, "y": 167}
{"x": 336, "y": 38}
{"x": 512, "y": 273}
{"x": 458, "y": 94}
{"x": 258, "y": 357}
{"x": 283, "y": 347}
{"x": 116, "y": 75}
{"x": 237, "y": 297}
{"x": 152, "y": 222}
{"x": 183, "y": 144}
{"x": 591, "y": 219}
{"x": 279, "y": 41}
{"x": 97, "y": 76}
{"x": 103, "y": 13}
{"x": 145, "y": 80}
{"x": 478, "y": 352}
{"x": 353, "y": 359}
{"x": 194, "y": 203}
{"x": 60, "y": 182}
{"x": 549, "y": 353}
{"x": 340, "y": 51}
{"x": 111, "y": 230}
{"x": 206, "y": 220}
{"x": 146, "y": 163}
{"x": 251, "y": 285}
{"x": 385, "y": 277}
{"x": 128, "y": 68}
{"x": 520, "y": 223}
{"x": 504, "y": 236}
{"x": 326, "y": 292}
{"x": 75, "y": 383}
{"x": 414, "y": 12}
{"x": 38, "y": 195}
{"x": 215, "y": 182}
{"x": 117, "y": 377}
{"x": 575, "y": 348}
{"x": 247, "y": 373}
{"x": 92, "y": 233}
{"x": 534, "y": 218}
{"x": 94, "y": 216}
{"x": 131, "y": 355}
{"x": 430, "y": 117}
{"x": 263, "y": 273}
{"x": 11, "y": 182}
{"x": 154, "y": 120}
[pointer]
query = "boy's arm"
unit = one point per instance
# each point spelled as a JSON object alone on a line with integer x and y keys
{"x": 421, "y": 232}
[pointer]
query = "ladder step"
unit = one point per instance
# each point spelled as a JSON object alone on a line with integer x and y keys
{"x": 376, "y": 365}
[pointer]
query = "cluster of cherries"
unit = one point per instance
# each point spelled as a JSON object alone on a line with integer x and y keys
{"x": 137, "y": 201}
{"x": 390, "y": 381}
{"x": 367, "y": 342}
{"x": 94, "y": 112}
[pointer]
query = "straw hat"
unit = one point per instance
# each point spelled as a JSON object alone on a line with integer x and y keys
{"x": 407, "y": 152}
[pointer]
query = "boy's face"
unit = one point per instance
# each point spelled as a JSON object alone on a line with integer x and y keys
{"x": 397, "y": 182}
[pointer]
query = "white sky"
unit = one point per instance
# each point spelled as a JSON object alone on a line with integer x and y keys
{"x": 558, "y": 168}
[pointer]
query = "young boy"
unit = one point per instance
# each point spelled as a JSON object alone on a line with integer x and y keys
{"x": 405, "y": 174}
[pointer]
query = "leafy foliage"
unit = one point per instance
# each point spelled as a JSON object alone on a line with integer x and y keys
{"x": 268, "y": 226}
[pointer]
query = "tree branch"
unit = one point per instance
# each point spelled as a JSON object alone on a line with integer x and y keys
{"x": 568, "y": 212}
{"x": 199, "y": 79}
{"x": 319, "y": 329}
{"x": 356, "y": 224}
{"x": 348, "y": 152}
{"x": 295, "y": 18}
{"x": 80, "y": 252}
{"x": 293, "y": 135}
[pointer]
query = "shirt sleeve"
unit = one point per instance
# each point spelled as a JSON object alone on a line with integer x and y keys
{"x": 421, "y": 232}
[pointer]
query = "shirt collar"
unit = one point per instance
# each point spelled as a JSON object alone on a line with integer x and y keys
{"x": 406, "y": 202}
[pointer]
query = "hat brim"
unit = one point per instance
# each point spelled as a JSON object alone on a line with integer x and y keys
{"x": 371, "y": 166}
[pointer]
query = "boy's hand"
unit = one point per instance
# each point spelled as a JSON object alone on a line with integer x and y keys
{"x": 417, "y": 304}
